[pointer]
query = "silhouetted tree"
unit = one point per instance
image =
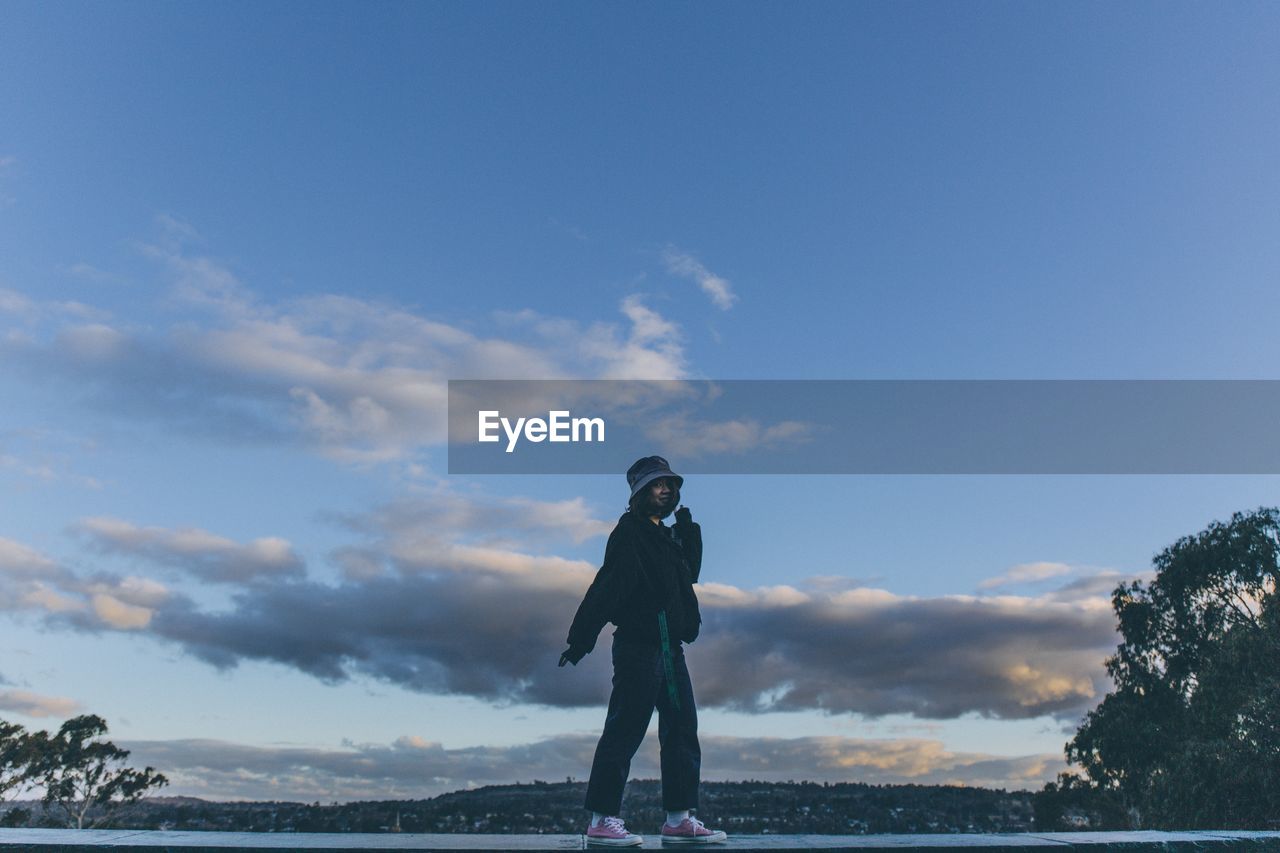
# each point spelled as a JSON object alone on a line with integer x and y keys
{"x": 16, "y": 756}
{"x": 80, "y": 774}
{"x": 1190, "y": 737}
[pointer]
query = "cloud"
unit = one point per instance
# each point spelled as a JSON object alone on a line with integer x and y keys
{"x": 428, "y": 522}
{"x": 450, "y": 592}
{"x": 440, "y": 598}
{"x": 177, "y": 230}
{"x": 203, "y": 555}
{"x": 357, "y": 380}
{"x": 653, "y": 348}
{"x": 20, "y": 561}
{"x": 687, "y": 266}
{"x": 492, "y": 630}
{"x": 37, "y": 705}
{"x": 24, "y": 308}
{"x": 838, "y": 583}
{"x": 1095, "y": 588}
{"x": 1026, "y": 573}
{"x": 691, "y": 437}
{"x": 873, "y": 652}
{"x": 30, "y": 581}
{"x": 416, "y": 767}
{"x": 13, "y": 302}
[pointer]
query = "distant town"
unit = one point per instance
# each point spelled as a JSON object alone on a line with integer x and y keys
{"x": 846, "y": 808}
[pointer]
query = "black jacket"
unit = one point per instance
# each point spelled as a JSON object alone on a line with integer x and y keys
{"x": 647, "y": 567}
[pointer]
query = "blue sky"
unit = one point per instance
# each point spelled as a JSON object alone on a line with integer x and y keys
{"x": 242, "y": 249}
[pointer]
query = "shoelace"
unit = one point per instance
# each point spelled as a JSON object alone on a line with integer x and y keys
{"x": 614, "y": 823}
{"x": 697, "y": 824}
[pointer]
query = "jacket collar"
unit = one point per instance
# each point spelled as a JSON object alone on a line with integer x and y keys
{"x": 661, "y": 530}
{"x": 641, "y": 518}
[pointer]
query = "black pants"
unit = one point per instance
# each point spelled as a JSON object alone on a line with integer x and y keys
{"x": 640, "y": 685}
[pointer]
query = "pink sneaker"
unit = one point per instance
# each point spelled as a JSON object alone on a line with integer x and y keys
{"x": 691, "y": 831}
{"x": 611, "y": 833}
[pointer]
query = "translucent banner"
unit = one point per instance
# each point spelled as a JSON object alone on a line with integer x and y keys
{"x": 866, "y": 426}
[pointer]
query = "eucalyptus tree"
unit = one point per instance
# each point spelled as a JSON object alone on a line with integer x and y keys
{"x": 1190, "y": 737}
{"x": 16, "y": 758}
{"x": 84, "y": 775}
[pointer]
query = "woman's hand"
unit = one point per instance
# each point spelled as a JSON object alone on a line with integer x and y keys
{"x": 572, "y": 655}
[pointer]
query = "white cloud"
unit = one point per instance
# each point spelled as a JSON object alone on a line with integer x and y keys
{"x": 571, "y": 515}
{"x": 120, "y": 614}
{"x": 36, "y": 705}
{"x": 687, "y": 436}
{"x": 358, "y": 380}
{"x": 1026, "y": 573}
{"x": 687, "y": 266}
{"x": 93, "y": 342}
{"x": 31, "y": 581}
{"x": 13, "y": 302}
{"x": 653, "y": 349}
{"x": 202, "y": 554}
{"x": 1092, "y": 589}
{"x": 18, "y": 560}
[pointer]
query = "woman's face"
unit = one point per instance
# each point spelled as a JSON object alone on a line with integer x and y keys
{"x": 661, "y": 496}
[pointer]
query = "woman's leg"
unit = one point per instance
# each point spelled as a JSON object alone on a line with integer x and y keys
{"x": 635, "y": 687}
{"x": 678, "y": 733}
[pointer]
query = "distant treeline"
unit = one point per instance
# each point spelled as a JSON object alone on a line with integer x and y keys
{"x": 556, "y": 808}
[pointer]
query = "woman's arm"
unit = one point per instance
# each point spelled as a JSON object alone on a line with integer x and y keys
{"x": 614, "y": 583}
{"x": 690, "y": 534}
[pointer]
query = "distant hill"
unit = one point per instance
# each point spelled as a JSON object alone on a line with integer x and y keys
{"x": 556, "y": 807}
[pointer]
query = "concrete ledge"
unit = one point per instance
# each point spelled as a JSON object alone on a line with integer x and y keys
{"x": 49, "y": 840}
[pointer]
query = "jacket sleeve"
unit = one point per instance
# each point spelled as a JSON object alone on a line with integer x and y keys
{"x": 613, "y": 584}
{"x": 691, "y": 544}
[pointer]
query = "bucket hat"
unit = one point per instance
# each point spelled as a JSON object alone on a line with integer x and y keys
{"x": 645, "y": 471}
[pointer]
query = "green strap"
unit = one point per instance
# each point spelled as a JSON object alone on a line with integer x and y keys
{"x": 667, "y": 666}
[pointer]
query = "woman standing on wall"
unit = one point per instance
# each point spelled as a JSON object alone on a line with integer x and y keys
{"x": 645, "y": 588}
